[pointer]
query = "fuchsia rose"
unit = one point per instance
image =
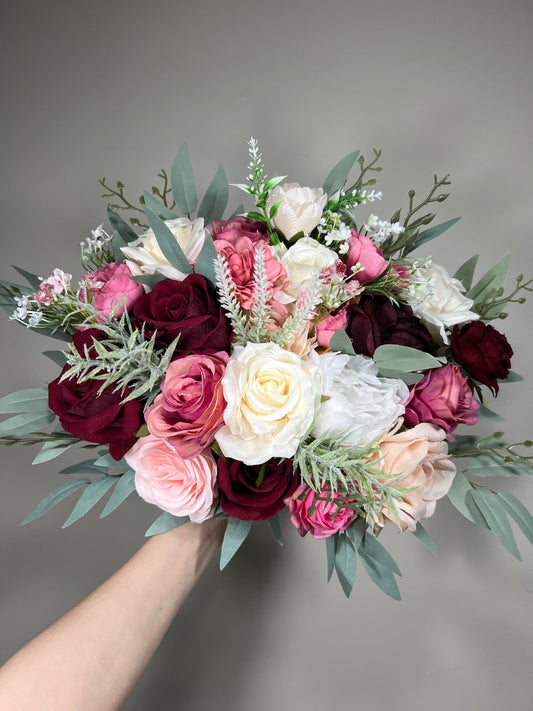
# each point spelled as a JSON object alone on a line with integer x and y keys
{"x": 326, "y": 328}
{"x": 444, "y": 398}
{"x": 183, "y": 487}
{"x": 108, "y": 285}
{"x": 238, "y": 247}
{"x": 327, "y": 518}
{"x": 191, "y": 406}
{"x": 364, "y": 252}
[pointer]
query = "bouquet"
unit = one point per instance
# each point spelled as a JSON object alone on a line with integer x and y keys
{"x": 296, "y": 357}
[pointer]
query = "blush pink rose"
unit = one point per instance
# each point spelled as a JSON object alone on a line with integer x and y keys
{"x": 190, "y": 408}
{"x": 330, "y": 325}
{"x": 363, "y": 251}
{"x": 444, "y": 398}
{"x": 183, "y": 487}
{"x": 327, "y": 518}
{"x": 108, "y": 285}
{"x": 418, "y": 458}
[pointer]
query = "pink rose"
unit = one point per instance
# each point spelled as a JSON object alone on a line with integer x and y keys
{"x": 327, "y": 518}
{"x": 363, "y": 251}
{"x": 191, "y": 406}
{"x": 183, "y": 487}
{"x": 419, "y": 457}
{"x": 109, "y": 284}
{"x": 330, "y": 325}
{"x": 444, "y": 398}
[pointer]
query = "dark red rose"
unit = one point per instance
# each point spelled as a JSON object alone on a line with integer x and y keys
{"x": 483, "y": 352}
{"x": 95, "y": 418}
{"x": 375, "y": 321}
{"x": 255, "y": 493}
{"x": 186, "y": 308}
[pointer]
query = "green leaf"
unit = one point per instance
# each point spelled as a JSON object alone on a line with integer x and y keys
{"x": 168, "y": 244}
{"x": 51, "y": 450}
{"x": 275, "y": 527}
{"x": 345, "y": 563}
{"x": 27, "y": 400}
{"x": 423, "y": 536}
{"x": 32, "y": 279}
{"x": 339, "y": 173}
{"x": 465, "y": 273}
{"x": 331, "y": 550}
{"x": 371, "y": 546}
{"x": 408, "y": 378}
{"x": 205, "y": 264}
{"x": 57, "y": 495}
{"x": 58, "y": 357}
{"x": 458, "y": 493}
{"x": 165, "y": 522}
{"x": 512, "y": 378}
{"x": 149, "y": 279}
{"x": 356, "y": 531}
{"x": 430, "y": 234}
{"x": 518, "y": 511}
{"x": 234, "y": 537}
{"x": 25, "y": 423}
{"x": 491, "y": 281}
{"x": 182, "y": 181}
{"x": 486, "y": 414}
{"x": 495, "y": 515}
{"x": 162, "y": 211}
{"x": 116, "y": 244}
{"x": 489, "y": 464}
{"x": 88, "y": 466}
{"x": 216, "y": 198}
{"x": 393, "y": 357}
{"x": 340, "y": 341}
{"x": 376, "y": 565}
{"x": 89, "y": 498}
{"x": 120, "y": 226}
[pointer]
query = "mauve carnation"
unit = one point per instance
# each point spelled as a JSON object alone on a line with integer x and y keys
{"x": 364, "y": 252}
{"x": 190, "y": 408}
{"x": 376, "y": 321}
{"x": 444, "y": 398}
{"x": 108, "y": 285}
{"x": 319, "y": 518}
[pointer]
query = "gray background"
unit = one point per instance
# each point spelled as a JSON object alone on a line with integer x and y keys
{"x": 112, "y": 89}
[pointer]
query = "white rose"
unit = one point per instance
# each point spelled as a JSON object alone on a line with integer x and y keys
{"x": 304, "y": 259}
{"x": 442, "y": 305}
{"x": 359, "y": 405}
{"x": 144, "y": 256}
{"x": 300, "y": 210}
{"x": 271, "y": 398}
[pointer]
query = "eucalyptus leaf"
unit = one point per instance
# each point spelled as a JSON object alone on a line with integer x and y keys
{"x": 119, "y": 225}
{"x": 457, "y": 494}
{"x": 372, "y": 547}
{"x": 465, "y": 273}
{"x": 168, "y": 244}
{"x": 149, "y": 279}
{"x": 430, "y": 234}
{"x": 345, "y": 563}
{"x": 275, "y": 527}
{"x": 382, "y": 576}
{"x": 116, "y": 245}
{"x": 88, "y": 466}
{"x": 491, "y": 281}
{"x": 475, "y": 511}
{"x": 51, "y": 450}
{"x": 183, "y": 183}
{"x": 490, "y": 464}
{"x": 340, "y": 342}
{"x": 26, "y": 423}
{"x": 331, "y": 549}
{"x": 234, "y": 536}
{"x": 356, "y": 531}
{"x": 495, "y": 515}
{"x": 423, "y": 536}
{"x": 89, "y": 498}
{"x": 512, "y": 378}
{"x": 518, "y": 512}
{"x": 57, "y": 495}
{"x": 158, "y": 208}
{"x": 408, "y": 378}
{"x": 32, "y": 279}
{"x": 27, "y": 400}
{"x": 58, "y": 357}
{"x": 339, "y": 173}
{"x": 165, "y": 522}
{"x": 205, "y": 263}
{"x": 394, "y": 357}
{"x": 216, "y": 198}
{"x": 485, "y": 414}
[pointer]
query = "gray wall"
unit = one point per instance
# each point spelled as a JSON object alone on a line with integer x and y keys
{"x": 112, "y": 89}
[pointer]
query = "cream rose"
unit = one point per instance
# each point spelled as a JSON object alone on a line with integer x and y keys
{"x": 442, "y": 304}
{"x": 144, "y": 256}
{"x": 304, "y": 259}
{"x": 300, "y": 210}
{"x": 271, "y": 398}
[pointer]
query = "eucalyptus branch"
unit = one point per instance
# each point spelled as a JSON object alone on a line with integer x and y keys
{"x": 364, "y": 169}
{"x": 40, "y": 438}
{"x": 413, "y": 209}
{"x": 490, "y": 309}
{"x": 118, "y": 193}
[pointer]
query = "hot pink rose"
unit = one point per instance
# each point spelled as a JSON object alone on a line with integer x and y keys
{"x": 327, "y": 518}
{"x": 363, "y": 251}
{"x": 109, "y": 284}
{"x": 191, "y": 406}
{"x": 183, "y": 487}
{"x": 330, "y": 325}
{"x": 444, "y": 398}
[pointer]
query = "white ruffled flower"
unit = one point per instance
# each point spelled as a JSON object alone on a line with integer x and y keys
{"x": 144, "y": 256}
{"x": 441, "y": 305}
{"x": 300, "y": 210}
{"x": 360, "y": 405}
{"x": 271, "y": 396}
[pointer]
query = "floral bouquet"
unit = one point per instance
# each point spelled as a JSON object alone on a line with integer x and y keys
{"x": 293, "y": 357}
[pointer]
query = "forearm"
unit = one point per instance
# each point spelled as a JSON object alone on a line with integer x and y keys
{"x": 92, "y": 657}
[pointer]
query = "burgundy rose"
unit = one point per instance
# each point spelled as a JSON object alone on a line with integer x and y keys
{"x": 375, "y": 321}
{"x": 483, "y": 352}
{"x": 254, "y": 493}
{"x": 186, "y": 308}
{"x": 95, "y": 418}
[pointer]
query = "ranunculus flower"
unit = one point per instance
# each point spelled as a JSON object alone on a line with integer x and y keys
{"x": 364, "y": 252}
{"x": 108, "y": 285}
{"x": 321, "y": 519}
{"x": 244, "y": 226}
{"x": 444, "y": 398}
{"x": 419, "y": 457}
{"x": 443, "y": 304}
{"x": 358, "y": 406}
{"x": 190, "y": 408}
{"x": 183, "y": 487}
{"x": 186, "y": 308}
{"x": 255, "y": 493}
{"x": 300, "y": 210}
{"x": 326, "y": 328}
{"x": 271, "y": 398}
{"x": 375, "y": 321}
{"x": 95, "y": 418}
{"x": 146, "y": 257}
{"x": 483, "y": 352}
